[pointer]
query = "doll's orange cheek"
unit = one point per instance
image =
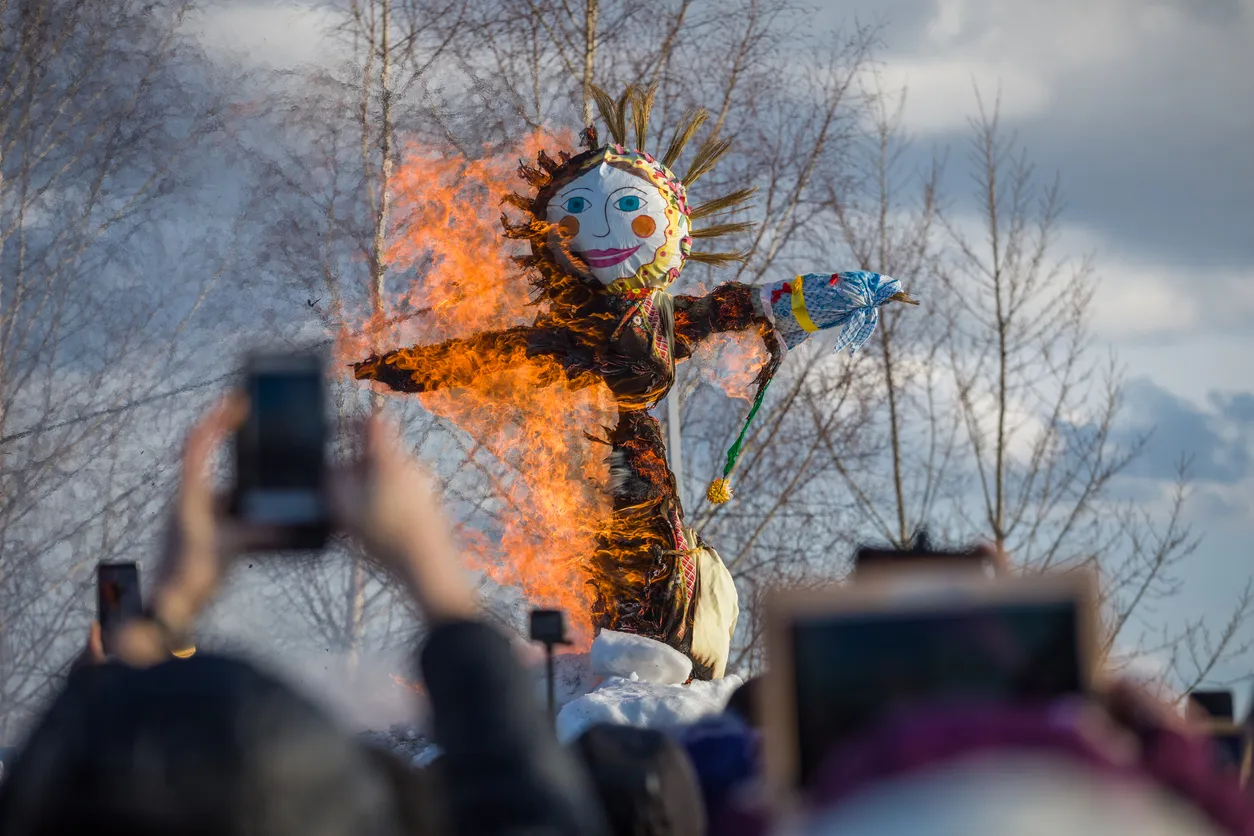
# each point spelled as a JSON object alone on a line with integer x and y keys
{"x": 569, "y": 226}
{"x": 643, "y": 226}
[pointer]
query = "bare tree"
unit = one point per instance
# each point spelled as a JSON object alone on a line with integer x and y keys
{"x": 1040, "y": 414}
{"x": 889, "y": 228}
{"x": 100, "y": 119}
{"x": 324, "y": 199}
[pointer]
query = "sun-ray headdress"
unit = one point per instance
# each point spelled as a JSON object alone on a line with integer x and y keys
{"x": 631, "y": 110}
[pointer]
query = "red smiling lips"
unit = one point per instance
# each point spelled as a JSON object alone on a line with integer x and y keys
{"x": 607, "y": 258}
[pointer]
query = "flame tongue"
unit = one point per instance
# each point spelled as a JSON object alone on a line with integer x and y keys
{"x": 525, "y": 427}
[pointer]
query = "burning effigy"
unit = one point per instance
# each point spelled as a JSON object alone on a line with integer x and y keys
{"x": 609, "y": 230}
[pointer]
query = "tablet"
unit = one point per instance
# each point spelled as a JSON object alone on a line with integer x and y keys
{"x": 843, "y": 657}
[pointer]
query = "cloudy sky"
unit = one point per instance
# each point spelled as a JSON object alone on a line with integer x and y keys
{"x": 1146, "y": 110}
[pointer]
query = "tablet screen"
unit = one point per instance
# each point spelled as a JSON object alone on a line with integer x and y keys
{"x": 849, "y": 669}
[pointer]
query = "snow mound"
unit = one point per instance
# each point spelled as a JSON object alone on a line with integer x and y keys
{"x": 624, "y": 680}
{"x": 645, "y": 704}
{"x": 634, "y": 657}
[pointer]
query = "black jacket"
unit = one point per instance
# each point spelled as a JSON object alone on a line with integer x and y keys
{"x": 503, "y": 771}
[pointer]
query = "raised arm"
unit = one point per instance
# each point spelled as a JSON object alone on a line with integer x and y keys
{"x": 450, "y": 364}
{"x": 460, "y": 362}
{"x": 788, "y": 313}
{"x": 729, "y": 307}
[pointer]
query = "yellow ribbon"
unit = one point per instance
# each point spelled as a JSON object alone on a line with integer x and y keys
{"x": 799, "y": 307}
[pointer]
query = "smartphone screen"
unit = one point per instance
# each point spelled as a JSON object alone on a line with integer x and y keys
{"x": 850, "y": 669}
{"x": 118, "y": 599}
{"x": 1217, "y": 704}
{"x": 281, "y": 449}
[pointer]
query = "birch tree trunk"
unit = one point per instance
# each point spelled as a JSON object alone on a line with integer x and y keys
{"x": 589, "y": 57}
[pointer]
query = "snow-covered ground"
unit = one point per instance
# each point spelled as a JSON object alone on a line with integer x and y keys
{"x": 641, "y": 684}
{"x": 624, "y": 679}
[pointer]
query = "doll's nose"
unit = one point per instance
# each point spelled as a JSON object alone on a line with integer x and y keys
{"x": 605, "y": 214}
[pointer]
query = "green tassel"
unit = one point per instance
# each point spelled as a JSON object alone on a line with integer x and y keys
{"x": 720, "y": 489}
{"x": 733, "y": 452}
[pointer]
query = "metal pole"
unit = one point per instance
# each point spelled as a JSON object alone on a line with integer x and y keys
{"x": 548, "y": 663}
{"x": 674, "y": 437}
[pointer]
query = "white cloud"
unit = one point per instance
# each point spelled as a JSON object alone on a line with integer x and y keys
{"x": 1043, "y": 53}
{"x": 1140, "y": 298}
{"x": 1150, "y": 668}
{"x": 940, "y": 91}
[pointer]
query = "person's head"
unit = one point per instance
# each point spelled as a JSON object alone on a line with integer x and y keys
{"x": 644, "y": 780}
{"x": 724, "y": 753}
{"x": 417, "y": 793}
{"x": 1066, "y": 767}
{"x": 198, "y": 746}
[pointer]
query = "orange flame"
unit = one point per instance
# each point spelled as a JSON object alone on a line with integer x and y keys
{"x": 405, "y": 683}
{"x": 548, "y": 479}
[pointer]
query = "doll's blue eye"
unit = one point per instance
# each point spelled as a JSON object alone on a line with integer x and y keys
{"x": 575, "y": 205}
{"x": 630, "y": 203}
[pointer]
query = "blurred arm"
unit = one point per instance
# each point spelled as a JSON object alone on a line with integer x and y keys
{"x": 505, "y": 771}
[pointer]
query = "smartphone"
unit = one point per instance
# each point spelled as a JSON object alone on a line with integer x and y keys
{"x": 118, "y": 599}
{"x": 1218, "y": 705}
{"x": 846, "y": 657}
{"x": 281, "y": 450}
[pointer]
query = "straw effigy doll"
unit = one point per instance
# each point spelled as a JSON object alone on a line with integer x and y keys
{"x": 610, "y": 229}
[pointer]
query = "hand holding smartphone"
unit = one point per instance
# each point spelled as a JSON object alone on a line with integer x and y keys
{"x": 281, "y": 450}
{"x": 1232, "y": 746}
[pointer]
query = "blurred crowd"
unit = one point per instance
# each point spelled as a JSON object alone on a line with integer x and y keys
{"x": 142, "y": 743}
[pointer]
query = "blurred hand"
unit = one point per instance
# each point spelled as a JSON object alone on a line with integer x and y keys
{"x": 996, "y": 558}
{"x": 201, "y": 538}
{"x": 388, "y": 502}
{"x": 93, "y": 652}
{"x": 1134, "y": 707}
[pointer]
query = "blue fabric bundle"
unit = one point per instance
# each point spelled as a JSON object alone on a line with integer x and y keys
{"x": 819, "y": 301}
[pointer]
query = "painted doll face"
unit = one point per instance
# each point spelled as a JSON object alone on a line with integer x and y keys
{"x": 625, "y": 230}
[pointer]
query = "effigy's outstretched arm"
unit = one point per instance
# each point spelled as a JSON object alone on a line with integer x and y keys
{"x": 729, "y": 307}
{"x": 460, "y": 362}
{"x": 791, "y": 311}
